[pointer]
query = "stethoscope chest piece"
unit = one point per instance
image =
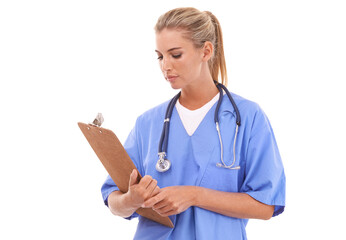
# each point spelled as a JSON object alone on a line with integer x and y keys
{"x": 163, "y": 165}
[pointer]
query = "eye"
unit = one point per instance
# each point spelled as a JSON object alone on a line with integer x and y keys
{"x": 160, "y": 57}
{"x": 177, "y": 55}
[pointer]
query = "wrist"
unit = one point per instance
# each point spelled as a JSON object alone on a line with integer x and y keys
{"x": 128, "y": 202}
{"x": 127, "y": 206}
{"x": 198, "y": 196}
{"x": 196, "y": 193}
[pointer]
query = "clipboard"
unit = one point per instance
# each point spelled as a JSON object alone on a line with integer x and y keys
{"x": 117, "y": 162}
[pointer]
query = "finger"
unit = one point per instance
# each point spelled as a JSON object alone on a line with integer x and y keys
{"x": 159, "y": 205}
{"x": 165, "y": 209}
{"x": 152, "y": 184}
{"x": 145, "y": 181}
{"x": 133, "y": 177}
{"x": 152, "y": 201}
{"x": 156, "y": 191}
{"x": 162, "y": 207}
{"x": 169, "y": 213}
{"x": 151, "y": 187}
{"x": 149, "y": 203}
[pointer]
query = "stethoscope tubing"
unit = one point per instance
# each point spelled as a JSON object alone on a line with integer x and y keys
{"x": 165, "y": 131}
{"x": 220, "y": 87}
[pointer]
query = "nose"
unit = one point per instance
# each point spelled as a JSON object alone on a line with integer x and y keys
{"x": 166, "y": 65}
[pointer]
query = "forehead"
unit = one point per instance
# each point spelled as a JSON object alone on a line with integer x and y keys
{"x": 172, "y": 38}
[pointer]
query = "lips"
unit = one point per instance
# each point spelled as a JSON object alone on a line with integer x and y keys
{"x": 171, "y": 77}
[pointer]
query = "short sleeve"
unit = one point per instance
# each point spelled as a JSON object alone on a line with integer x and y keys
{"x": 107, "y": 188}
{"x": 131, "y": 147}
{"x": 265, "y": 179}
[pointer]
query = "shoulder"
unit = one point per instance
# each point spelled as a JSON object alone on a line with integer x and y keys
{"x": 251, "y": 112}
{"x": 246, "y": 107}
{"x": 153, "y": 115}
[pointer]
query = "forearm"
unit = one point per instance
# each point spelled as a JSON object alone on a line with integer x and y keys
{"x": 238, "y": 205}
{"x": 118, "y": 204}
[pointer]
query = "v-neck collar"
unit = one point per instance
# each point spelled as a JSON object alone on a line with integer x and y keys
{"x": 200, "y": 125}
{"x": 191, "y": 119}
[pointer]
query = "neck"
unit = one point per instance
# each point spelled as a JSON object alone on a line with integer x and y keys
{"x": 195, "y": 96}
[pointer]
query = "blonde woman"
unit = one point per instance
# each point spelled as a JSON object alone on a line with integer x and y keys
{"x": 219, "y": 164}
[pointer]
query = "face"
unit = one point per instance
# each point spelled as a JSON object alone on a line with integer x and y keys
{"x": 180, "y": 61}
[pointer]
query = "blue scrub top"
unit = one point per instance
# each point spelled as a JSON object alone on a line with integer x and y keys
{"x": 194, "y": 159}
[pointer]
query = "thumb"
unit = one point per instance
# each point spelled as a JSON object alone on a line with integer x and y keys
{"x": 133, "y": 177}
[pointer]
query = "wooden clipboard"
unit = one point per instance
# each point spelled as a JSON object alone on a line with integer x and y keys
{"x": 117, "y": 162}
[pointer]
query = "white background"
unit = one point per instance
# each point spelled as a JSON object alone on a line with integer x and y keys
{"x": 64, "y": 61}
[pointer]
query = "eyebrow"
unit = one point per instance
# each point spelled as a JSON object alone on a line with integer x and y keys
{"x": 171, "y": 49}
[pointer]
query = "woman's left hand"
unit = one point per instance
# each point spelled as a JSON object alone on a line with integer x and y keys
{"x": 172, "y": 200}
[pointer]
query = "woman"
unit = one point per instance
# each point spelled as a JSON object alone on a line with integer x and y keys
{"x": 208, "y": 193}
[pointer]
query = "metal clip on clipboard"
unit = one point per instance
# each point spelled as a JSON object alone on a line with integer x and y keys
{"x": 98, "y": 120}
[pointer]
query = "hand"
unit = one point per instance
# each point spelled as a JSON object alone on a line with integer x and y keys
{"x": 172, "y": 200}
{"x": 139, "y": 192}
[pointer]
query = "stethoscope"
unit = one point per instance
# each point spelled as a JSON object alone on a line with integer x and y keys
{"x": 163, "y": 164}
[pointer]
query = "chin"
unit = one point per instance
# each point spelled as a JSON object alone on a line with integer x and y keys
{"x": 175, "y": 86}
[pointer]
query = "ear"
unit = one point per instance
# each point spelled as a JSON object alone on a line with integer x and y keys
{"x": 208, "y": 51}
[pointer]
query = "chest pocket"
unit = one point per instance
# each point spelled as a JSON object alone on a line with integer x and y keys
{"x": 221, "y": 179}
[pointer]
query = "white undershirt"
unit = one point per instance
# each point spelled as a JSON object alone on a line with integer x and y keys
{"x": 192, "y": 118}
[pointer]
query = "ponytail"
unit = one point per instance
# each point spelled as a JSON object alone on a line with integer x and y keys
{"x": 217, "y": 65}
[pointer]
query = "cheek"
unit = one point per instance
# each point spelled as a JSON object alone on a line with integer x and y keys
{"x": 190, "y": 68}
{"x": 184, "y": 67}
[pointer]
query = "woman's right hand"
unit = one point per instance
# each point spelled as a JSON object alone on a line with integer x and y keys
{"x": 138, "y": 193}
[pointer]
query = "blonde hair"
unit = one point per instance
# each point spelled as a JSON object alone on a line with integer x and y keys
{"x": 200, "y": 27}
